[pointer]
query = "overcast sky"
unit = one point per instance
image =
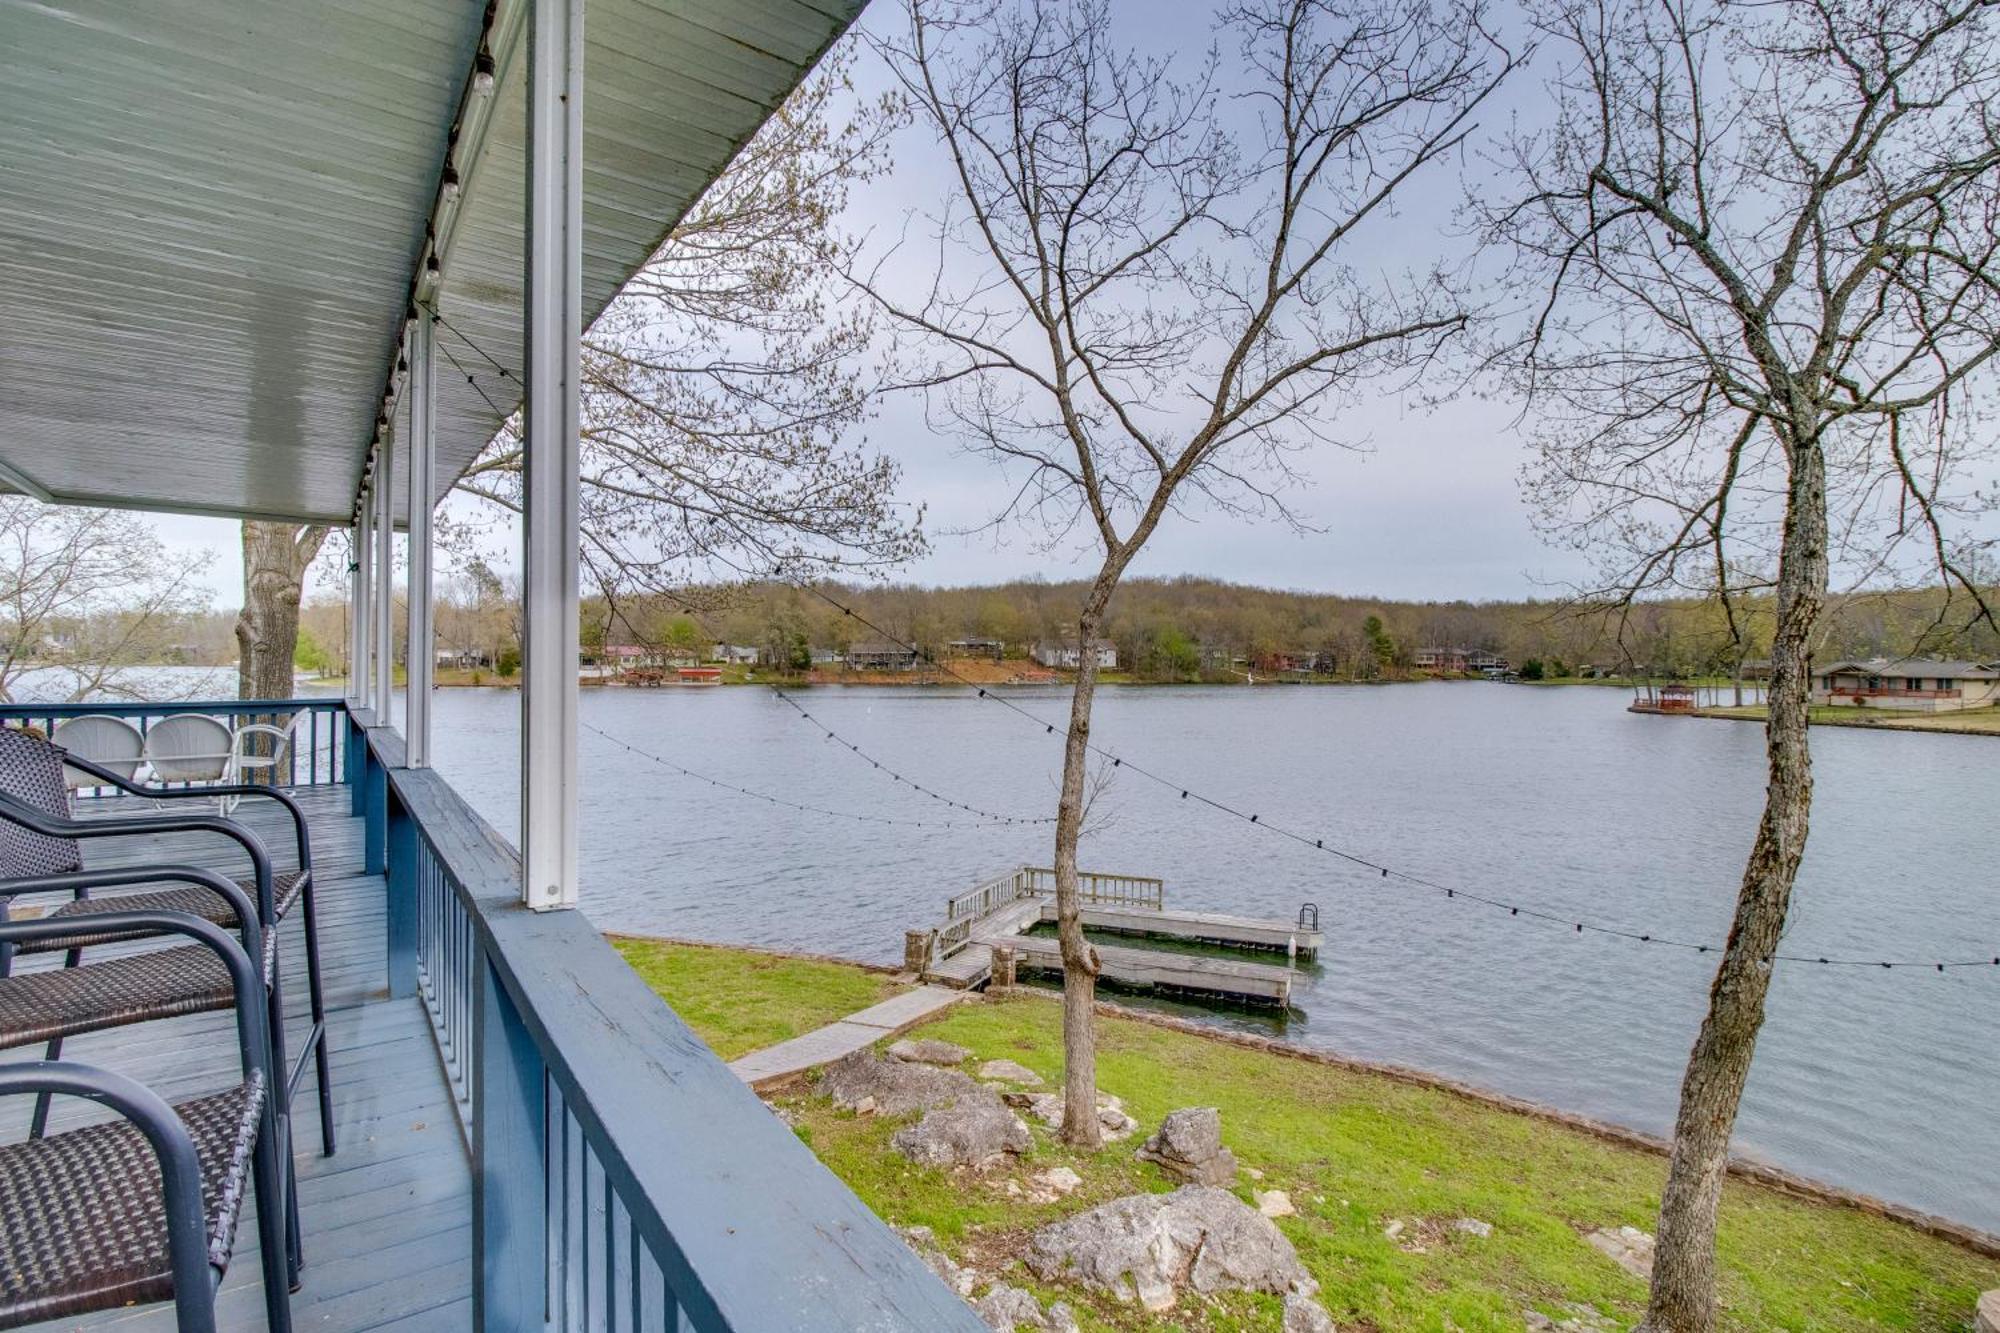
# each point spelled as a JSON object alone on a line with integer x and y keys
{"x": 1426, "y": 505}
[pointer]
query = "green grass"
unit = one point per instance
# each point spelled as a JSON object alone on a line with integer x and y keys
{"x": 740, "y": 1001}
{"x": 1354, "y": 1150}
{"x": 1969, "y": 721}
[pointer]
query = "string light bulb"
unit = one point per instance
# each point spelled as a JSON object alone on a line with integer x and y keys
{"x": 449, "y": 190}
{"x": 482, "y": 71}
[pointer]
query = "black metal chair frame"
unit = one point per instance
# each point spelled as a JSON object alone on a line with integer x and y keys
{"x": 54, "y": 932}
{"x": 315, "y": 1041}
{"x": 195, "y": 1278}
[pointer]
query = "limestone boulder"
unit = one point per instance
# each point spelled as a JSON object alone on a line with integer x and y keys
{"x": 927, "y": 1051}
{"x": 976, "y": 1130}
{"x": 1189, "y": 1146}
{"x": 925, "y": 1242}
{"x": 1303, "y": 1314}
{"x": 1986, "y": 1317}
{"x": 1006, "y": 1309}
{"x": 1628, "y": 1247}
{"x": 866, "y": 1083}
{"x": 1047, "y": 1107}
{"x": 1010, "y": 1071}
{"x": 1148, "y": 1247}
{"x": 1276, "y": 1203}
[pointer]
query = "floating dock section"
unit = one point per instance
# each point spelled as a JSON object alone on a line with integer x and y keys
{"x": 959, "y": 951}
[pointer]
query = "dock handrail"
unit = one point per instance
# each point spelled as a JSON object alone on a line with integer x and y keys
{"x": 1094, "y": 889}
{"x": 1097, "y": 888}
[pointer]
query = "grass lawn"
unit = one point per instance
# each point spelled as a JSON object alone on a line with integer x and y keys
{"x": 1354, "y": 1151}
{"x": 740, "y": 1001}
{"x": 1970, "y": 721}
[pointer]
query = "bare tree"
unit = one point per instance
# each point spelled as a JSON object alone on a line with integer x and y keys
{"x": 723, "y": 387}
{"x": 1765, "y": 234}
{"x": 87, "y": 596}
{"x": 1144, "y": 293}
{"x": 275, "y": 559}
{"x": 719, "y": 390}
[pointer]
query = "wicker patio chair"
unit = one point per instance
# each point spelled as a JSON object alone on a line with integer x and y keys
{"x": 39, "y": 836}
{"x": 145, "y": 1207}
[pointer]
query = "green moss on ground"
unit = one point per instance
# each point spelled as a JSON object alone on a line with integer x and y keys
{"x": 739, "y": 1001}
{"x": 1355, "y": 1150}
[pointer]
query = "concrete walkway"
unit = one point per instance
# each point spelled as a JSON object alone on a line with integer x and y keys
{"x": 855, "y": 1032}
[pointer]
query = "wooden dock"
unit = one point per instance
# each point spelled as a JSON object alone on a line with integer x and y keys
{"x": 959, "y": 953}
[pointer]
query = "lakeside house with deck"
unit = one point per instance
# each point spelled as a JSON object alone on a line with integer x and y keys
{"x": 1067, "y": 656}
{"x": 881, "y": 655}
{"x": 1925, "y": 684}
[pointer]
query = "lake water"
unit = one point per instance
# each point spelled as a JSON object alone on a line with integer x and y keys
{"x": 1887, "y": 1082}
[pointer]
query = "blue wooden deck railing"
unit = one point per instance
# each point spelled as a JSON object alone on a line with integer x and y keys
{"x": 623, "y": 1177}
{"x": 318, "y": 756}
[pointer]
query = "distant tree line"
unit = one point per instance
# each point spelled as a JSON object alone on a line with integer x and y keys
{"x": 1188, "y": 629}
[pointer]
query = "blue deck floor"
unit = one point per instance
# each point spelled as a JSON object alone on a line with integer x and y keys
{"x": 387, "y": 1218}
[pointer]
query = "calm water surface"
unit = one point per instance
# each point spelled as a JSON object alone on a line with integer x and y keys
{"x": 1887, "y": 1082}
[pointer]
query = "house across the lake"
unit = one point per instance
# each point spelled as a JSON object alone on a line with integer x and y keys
{"x": 988, "y": 648}
{"x": 1924, "y": 683}
{"x": 1482, "y": 660}
{"x": 1066, "y": 656}
{"x": 881, "y": 655}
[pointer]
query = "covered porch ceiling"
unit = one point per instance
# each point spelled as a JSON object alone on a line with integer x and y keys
{"x": 212, "y": 213}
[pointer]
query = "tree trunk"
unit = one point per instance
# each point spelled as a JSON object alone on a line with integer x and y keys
{"x": 1080, "y": 961}
{"x": 275, "y": 558}
{"x": 1683, "y": 1298}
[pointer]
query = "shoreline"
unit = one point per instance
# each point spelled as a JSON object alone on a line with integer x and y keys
{"x": 1983, "y": 1243}
{"x": 1969, "y": 722}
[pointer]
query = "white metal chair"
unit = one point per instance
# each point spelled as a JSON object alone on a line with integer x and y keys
{"x": 248, "y": 766}
{"x": 111, "y": 742}
{"x": 190, "y": 747}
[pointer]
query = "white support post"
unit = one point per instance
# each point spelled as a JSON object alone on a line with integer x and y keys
{"x": 382, "y": 638}
{"x": 554, "y": 326}
{"x": 356, "y": 613}
{"x": 363, "y": 665}
{"x": 420, "y": 654}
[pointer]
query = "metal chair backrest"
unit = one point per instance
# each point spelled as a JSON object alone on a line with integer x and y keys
{"x": 109, "y": 741}
{"x": 189, "y": 747}
{"x": 31, "y": 772}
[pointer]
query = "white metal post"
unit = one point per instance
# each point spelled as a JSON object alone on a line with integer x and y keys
{"x": 356, "y": 613}
{"x": 382, "y": 639}
{"x": 363, "y": 667}
{"x": 420, "y": 654}
{"x": 554, "y": 327}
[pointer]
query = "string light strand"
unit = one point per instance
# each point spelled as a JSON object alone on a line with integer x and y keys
{"x": 1451, "y": 892}
{"x": 786, "y": 802}
{"x": 893, "y": 775}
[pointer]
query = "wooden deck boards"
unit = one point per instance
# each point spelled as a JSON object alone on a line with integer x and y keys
{"x": 387, "y": 1218}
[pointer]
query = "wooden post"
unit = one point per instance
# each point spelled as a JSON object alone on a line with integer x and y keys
{"x": 402, "y": 900}
{"x": 509, "y": 1161}
{"x": 1003, "y": 967}
{"x": 375, "y": 817}
{"x": 917, "y": 951}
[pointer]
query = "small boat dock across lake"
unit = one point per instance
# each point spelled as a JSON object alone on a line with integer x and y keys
{"x": 1001, "y": 912}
